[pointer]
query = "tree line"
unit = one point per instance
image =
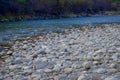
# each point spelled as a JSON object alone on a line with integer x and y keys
{"x": 56, "y": 7}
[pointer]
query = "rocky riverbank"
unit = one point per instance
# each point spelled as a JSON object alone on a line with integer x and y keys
{"x": 84, "y": 53}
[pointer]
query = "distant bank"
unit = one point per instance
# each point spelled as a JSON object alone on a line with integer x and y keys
{"x": 33, "y": 17}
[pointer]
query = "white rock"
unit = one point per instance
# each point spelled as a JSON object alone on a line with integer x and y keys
{"x": 88, "y": 57}
{"x": 47, "y": 50}
{"x": 17, "y": 42}
{"x": 113, "y": 65}
{"x": 87, "y": 65}
{"x": 118, "y": 49}
{"x": 43, "y": 59}
{"x": 9, "y": 52}
{"x": 57, "y": 68}
{"x": 75, "y": 54}
{"x": 25, "y": 46}
{"x": 35, "y": 76}
{"x": 111, "y": 78}
{"x": 25, "y": 42}
{"x": 100, "y": 70}
{"x": 85, "y": 77}
{"x": 98, "y": 58}
{"x": 47, "y": 70}
{"x": 12, "y": 67}
{"x": 97, "y": 62}
{"x": 115, "y": 57}
{"x": 67, "y": 70}
{"x": 38, "y": 51}
{"x": 99, "y": 51}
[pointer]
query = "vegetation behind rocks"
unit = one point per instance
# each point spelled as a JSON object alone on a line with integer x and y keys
{"x": 41, "y": 9}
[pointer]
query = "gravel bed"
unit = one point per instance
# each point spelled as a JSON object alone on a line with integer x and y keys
{"x": 88, "y": 53}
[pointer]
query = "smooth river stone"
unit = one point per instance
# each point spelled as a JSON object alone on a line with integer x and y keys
{"x": 111, "y": 78}
{"x": 47, "y": 70}
{"x": 100, "y": 70}
{"x": 87, "y": 65}
{"x": 43, "y": 65}
{"x": 85, "y": 77}
{"x": 67, "y": 70}
{"x": 25, "y": 46}
{"x": 9, "y": 52}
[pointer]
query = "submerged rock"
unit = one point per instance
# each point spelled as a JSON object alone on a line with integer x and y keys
{"x": 1, "y": 49}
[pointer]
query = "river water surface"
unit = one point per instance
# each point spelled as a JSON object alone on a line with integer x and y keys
{"x": 13, "y": 30}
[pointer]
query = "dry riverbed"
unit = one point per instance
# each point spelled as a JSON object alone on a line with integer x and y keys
{"x": 86, "y": 53}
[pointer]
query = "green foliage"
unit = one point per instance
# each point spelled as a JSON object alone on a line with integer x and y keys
{"x": 56, "y": 7}
{"x": 115, "y": 0}
{"x": 22, "y": 1}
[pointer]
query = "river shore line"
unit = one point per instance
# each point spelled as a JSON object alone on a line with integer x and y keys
{"x": 46, "y": 17}
{"x": 82, "y": 53}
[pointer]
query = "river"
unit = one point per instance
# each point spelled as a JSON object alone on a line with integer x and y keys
{"x": 13, "y": 30}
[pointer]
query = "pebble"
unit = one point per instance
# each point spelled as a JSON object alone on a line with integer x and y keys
{"x": 57, "y": 68}
{"x": 85, "y": 77}
{"x": 25, "y": 42}
{"x": 67, "y": 70}
{"x": 48, "y": 70}
{"x": 37, "y": 52}
{"x": 73, "y": 76}
{"x": 115, "y": 57}
{"x": 97, "y": 58}
{"x": 118, "y": 49}
{"x": 111, "y": 78}
{"x": 97, "y": 62}
{"x": 9, "y": 52}
{"x": 61, "y": 77}
{"x": 44, "y": 59}
{"x": 87, "y": 65}
{"x": 100, "y": 70}
{"x": 12, "y": 67}
{"x": 113, "y": 65}
{"x": 25, "y": 46}
{"x": 42, "y": 65}
{"x": 88, "y": 57}
{"x": 8, "y": 78}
